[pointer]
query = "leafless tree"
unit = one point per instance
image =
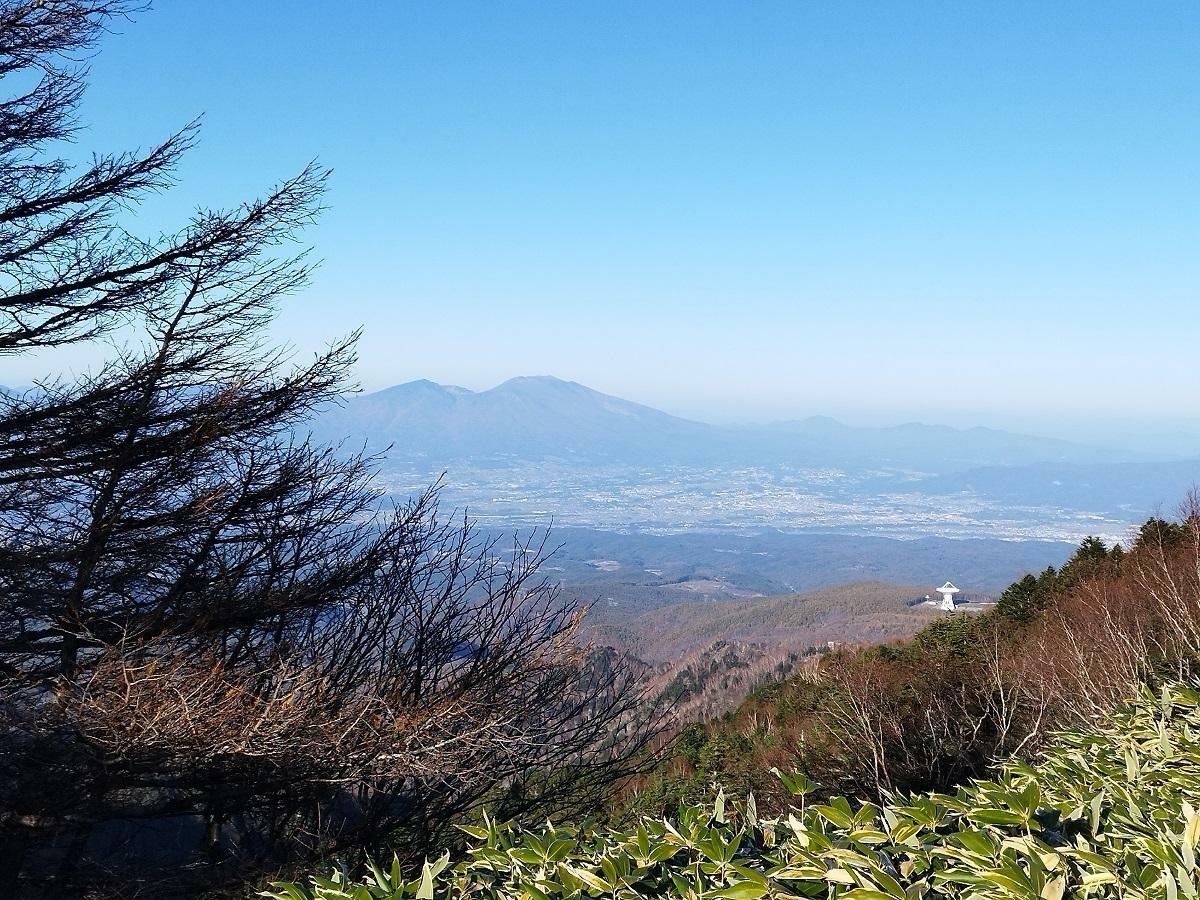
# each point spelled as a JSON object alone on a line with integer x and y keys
{"x": 903, "y": 725}
{"x": 219, "y": 650}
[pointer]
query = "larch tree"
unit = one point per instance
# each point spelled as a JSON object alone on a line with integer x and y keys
{"x": 220, "y": 650}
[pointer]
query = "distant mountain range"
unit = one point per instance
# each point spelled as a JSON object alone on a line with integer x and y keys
{"x": 542, "y": 417}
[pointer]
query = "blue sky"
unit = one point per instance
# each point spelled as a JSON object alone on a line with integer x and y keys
{"x": 973, "y": 213}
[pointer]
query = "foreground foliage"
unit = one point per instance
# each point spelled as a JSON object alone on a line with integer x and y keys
{"x": 1109, "y": 811}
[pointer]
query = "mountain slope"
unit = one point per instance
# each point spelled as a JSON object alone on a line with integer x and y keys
{"x": 863, "y": 612}
{"x": 528, "y": 417}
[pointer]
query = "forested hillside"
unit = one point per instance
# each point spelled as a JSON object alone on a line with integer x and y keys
{"x": 1059, "y": 648}
{"x": 701, "y": 659}
{"x": 1092, "y": 796}
{"x": 862, "y": 612}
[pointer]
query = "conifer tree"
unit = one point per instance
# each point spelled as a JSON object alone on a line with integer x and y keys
{"x": 218, "y": 653}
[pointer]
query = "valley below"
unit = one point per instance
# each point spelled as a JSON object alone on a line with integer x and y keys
{"x": 719, "y": 557}
{"x": 745, "y": 499}
{"x": 539, "y": 450}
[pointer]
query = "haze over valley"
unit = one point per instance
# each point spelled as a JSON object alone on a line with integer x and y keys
{"x": 648, "y": 510}
{"x": 539, "y": 449}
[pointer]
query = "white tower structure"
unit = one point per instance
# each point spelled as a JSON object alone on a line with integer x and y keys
{"x": 947, "y": 590}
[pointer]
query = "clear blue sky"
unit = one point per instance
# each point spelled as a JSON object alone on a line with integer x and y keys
{"x": 962, "y": 212}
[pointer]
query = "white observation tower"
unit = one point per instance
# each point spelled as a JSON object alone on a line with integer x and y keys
{"x": 947, "y": 590}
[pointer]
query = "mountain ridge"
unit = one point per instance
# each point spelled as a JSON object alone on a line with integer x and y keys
{"x": 542, "y": 416}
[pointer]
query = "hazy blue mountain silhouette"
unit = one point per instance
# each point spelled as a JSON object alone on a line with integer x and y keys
{"x": 538, "y": 417}
{"x": 529, "y": 417}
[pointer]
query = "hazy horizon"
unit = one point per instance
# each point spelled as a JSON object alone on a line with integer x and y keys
{"x": 969, "y": 216}
{"x": 1174, "y": 436}
{"x": 1169, "y": 436}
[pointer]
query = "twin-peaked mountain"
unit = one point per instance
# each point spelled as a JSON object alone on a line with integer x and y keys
{"x": 528, "y": 418}
{"x": 534, "y": 418}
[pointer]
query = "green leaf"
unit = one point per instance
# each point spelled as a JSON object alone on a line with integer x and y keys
{"x": 425, "y": 889}
{"x": 832, "y": 814}
{"x": 975, "y": 841}
{"x": 1054, "y": 889}
{"x": 742, "y": 890}
{"x": 719, "y": 806}
{"x": 997, "y": 817}
{"x": 839, "y": 876}
{"x": 591, "y": 879}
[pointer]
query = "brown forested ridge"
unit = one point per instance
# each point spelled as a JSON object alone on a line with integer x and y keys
{"x": 968, "y": 691}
